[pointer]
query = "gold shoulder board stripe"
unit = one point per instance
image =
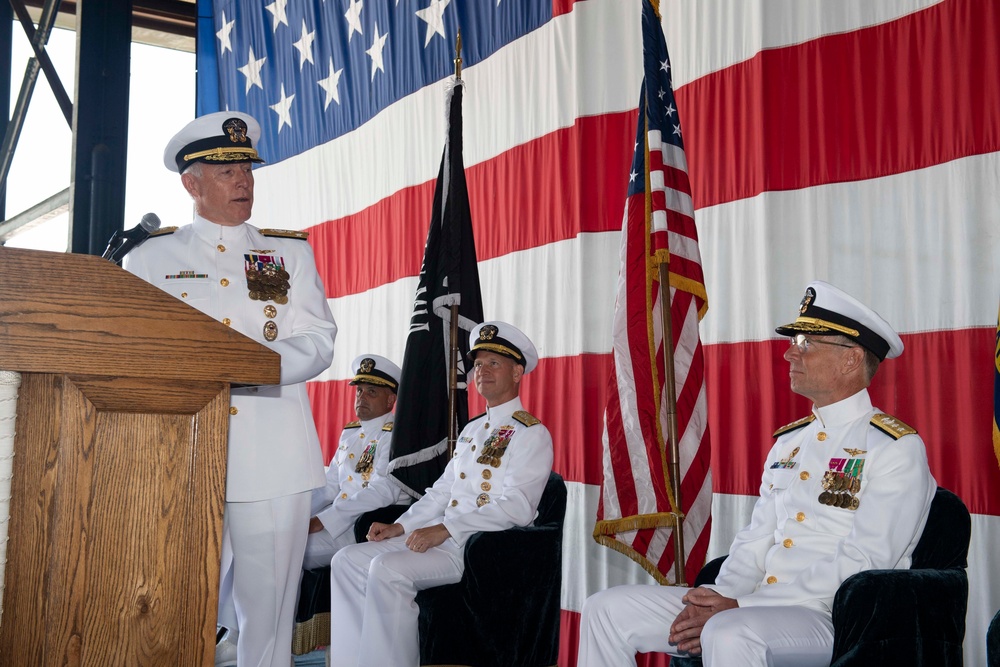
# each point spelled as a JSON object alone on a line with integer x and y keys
{"x": 353, "y": 424}
{"x": 794, "y": 425}
{"x": 387, "y": 426}
{"x": 891, "y": 426}
{"x": 525, "y": 418}
{"x": 163, "y": 231}
{"x": 285, "y": 234}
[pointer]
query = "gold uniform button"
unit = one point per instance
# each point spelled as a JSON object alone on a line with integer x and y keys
{"x": 226, "y": 321}
{"x": 220, "y": 248}
{"x": 343, "y": 495}
{"x": 351, "y": 455}
{"x": 800, "y": 517}
{"x": 772, "y": 579}
{"x": 787, "y": 543}
{"x": 224, "y": 282}
{"x": 270, "y": 311}
{"x": 821, "y": 436}
{"x": 487, "y": 474}
{"x": 486, "y": 486}
{"x": 361, "y": 435}
{"x": 184, "y": 295}
{"x": 804, "y": 475}
{"x": 473, "y": 448}
{"x": 454, "y": 503}
{"x": 350, "y": 478}
{"x": 461, "y": 475}
{"x": 233, "y": 409}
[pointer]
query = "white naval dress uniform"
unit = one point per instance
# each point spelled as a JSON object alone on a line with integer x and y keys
{"x": 373, "y": 585}
{"x": 274, "y": 458}
{"x": 785, "y": 567}
{"x": 348, "y": 493}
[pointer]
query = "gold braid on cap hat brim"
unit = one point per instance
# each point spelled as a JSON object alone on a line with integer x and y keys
{"x": 223, "y": 154}
{"x": 826, "y": 324}
{"x": 373, "y": 379}
{"x": 499, "y": 349}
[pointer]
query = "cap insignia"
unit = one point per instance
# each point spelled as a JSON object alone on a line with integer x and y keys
{"x": 807, "y": 299}
{"x": 488, "y": 332}
{"x": 367, "y": 365}
{"x": 236, "y": 129}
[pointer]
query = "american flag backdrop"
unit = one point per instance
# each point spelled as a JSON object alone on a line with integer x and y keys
{"x": 846, "y": 140}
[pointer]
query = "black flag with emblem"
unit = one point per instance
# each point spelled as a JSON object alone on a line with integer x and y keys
{"x": 448, "y": 275}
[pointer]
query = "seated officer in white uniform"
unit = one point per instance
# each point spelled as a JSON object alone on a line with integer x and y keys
{"x": 494, "y": 481}
{"x": 845, "y": 489}
{"x": 357, "y": 480}
{"x": 264, "y": 284}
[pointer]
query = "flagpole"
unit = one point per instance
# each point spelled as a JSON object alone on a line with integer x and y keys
{"x": 674, "y": 453}
{"x": 673, "y": 462}
{"x": 453, "y": 361}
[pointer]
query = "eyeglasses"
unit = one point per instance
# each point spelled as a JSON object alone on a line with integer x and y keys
{"x": 800, "y": 341}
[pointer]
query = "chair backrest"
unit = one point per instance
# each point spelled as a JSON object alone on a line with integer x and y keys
{"x": 945, "y": 540}
{"x": 552, "y": 506}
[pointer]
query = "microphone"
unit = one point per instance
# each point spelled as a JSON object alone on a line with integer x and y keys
{"x": 121, "y": 243}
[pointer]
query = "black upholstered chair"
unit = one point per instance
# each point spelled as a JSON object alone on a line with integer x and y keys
{"x": 993, "y": 642}
{"x": 505, "y": 610}
{"x": 912, "y": 617}
{"x": 312, "y": 616}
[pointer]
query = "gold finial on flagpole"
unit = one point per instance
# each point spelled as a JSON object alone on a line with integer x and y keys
{"x": 458, "y": 55}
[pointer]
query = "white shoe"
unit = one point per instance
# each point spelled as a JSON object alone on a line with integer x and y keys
{"x": 225, "y": 652}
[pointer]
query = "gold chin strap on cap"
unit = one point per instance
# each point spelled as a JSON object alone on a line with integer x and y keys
{"x": 374, "y": 379}
{"x": 500, "y": 349}
{"x": 815, "y": 321}
{"x": 223, "y": 154}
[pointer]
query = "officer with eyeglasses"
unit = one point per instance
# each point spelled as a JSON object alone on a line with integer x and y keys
{"x": 845, "y": 489}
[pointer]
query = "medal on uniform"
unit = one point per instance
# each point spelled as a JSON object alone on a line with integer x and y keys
{"x": 270, "y": 331}
{"x": 267, "y": 279}
{"x": 495, "y": 446}
{"x": 786, "y": 462}
{"x": 367, "y": 460}
{"x": 842, "y": 482}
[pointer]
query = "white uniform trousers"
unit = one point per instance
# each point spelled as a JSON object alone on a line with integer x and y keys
{"x": 618, "y": 622}
{"x": 267, "y": 539}
{"x": 321, "y": 546}
{"x": 373, "y": 612}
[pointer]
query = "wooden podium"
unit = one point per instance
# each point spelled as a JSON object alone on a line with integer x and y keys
{"x": 119, "y": 466}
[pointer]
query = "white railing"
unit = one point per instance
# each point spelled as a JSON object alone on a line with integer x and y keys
{"x": 9, "y": 383}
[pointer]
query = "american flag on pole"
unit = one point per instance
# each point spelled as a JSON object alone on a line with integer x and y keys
{"x": 638, "y": 505}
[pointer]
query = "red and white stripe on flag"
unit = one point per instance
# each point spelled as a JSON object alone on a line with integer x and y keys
{"x": 639, "y": 508}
